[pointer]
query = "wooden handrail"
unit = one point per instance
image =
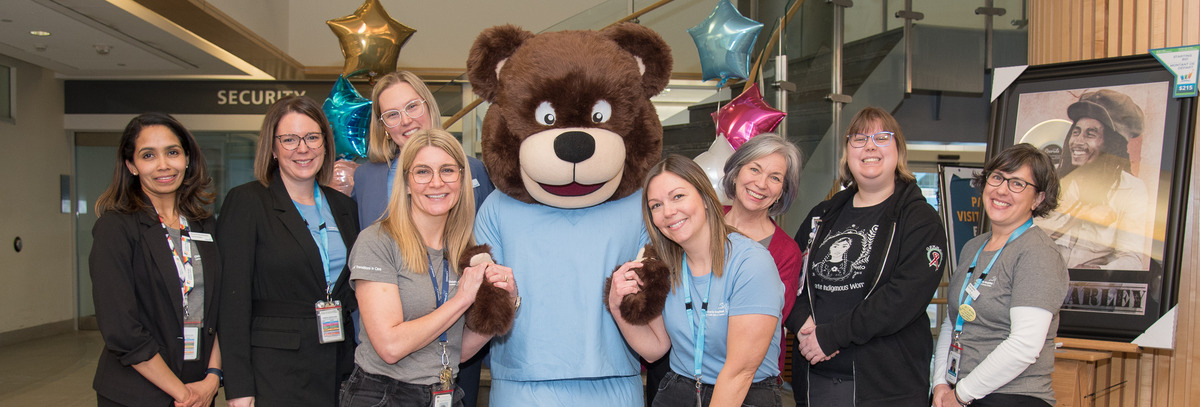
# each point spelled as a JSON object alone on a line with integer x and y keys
{"x": 475, "y": 103}
{"x": 787, "y": 18}
{"x": 1091, "y": 344}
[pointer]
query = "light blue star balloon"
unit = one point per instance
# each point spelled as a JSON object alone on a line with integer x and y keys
{"x": 724, "y": 41}
{"x": 350, "y": 116}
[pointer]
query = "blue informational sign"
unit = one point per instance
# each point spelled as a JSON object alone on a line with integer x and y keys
{"x": 961, "y": 207}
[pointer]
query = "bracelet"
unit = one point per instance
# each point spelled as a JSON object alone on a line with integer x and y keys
{"x": 219, "y": 373}
{"x": 959, "y": 400}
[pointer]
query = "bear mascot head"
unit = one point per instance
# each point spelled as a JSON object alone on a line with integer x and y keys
{"x": 571, "y": 124}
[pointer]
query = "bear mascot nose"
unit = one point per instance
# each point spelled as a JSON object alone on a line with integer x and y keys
{"x": 574, "y": 146}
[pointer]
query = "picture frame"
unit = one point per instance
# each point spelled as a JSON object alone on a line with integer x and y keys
{"x": 1118, "y": 221}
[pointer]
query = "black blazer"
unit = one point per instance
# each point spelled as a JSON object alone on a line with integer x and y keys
{"x": 139, "y": 304}
{"x": 274, "y": 276}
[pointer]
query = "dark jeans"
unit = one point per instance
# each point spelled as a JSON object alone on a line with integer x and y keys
{"x": 679, "y": 391}
{"x": 829, "y": 391}
{"x": 1005, "y": 400}
{"x": 363, "y": 389}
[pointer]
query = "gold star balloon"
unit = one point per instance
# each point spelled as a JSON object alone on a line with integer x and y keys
{"x": 370, "y": 40}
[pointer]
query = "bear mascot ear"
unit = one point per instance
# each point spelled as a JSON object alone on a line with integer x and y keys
{"x": 652, "y": 53}
{"x": 493, "y": 47}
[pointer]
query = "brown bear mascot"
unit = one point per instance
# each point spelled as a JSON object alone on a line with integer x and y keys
{"x": 568, "y": 138}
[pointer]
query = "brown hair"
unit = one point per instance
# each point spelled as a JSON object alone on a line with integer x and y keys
{"x": 380, "y": 146}
{"x": 862, "y": 122}
{"x": 1012, "y": 159}
{"x": 124, "y": 193}
{"x": 670, "y": 251}
{"x": 398, "y": 222}
{"x": 265, "y": 164}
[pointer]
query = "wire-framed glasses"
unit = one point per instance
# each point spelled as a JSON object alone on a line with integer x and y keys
{"x": 881, "y": 139}
{"x": 422, "y": 174}
{"x": 413, "y": 110}
{"x": 291, "y": 142}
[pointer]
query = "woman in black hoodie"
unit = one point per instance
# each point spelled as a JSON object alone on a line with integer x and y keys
{"x": 875, "y": 257}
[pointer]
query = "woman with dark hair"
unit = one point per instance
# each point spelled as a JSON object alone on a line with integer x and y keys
{"x": 721, "y": 318}
{"x": 285, "y": 239}
{"x": 156, "y": 274}
{"x": 875, "y": 258}
{"x": 1102, "y": 223}
{"x": 996, "y": 347}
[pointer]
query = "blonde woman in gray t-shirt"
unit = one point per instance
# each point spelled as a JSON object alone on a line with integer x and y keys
{"x": 996, "y": 347}
{"x": 410, "y": 295}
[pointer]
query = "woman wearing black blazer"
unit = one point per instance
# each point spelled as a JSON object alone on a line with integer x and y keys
{"x": 156, "y": 273}
{"x": 284, "y": 242}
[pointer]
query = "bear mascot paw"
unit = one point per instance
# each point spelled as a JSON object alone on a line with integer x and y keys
{"x": 493, "y": 311}
{"x": 645, "y": 305}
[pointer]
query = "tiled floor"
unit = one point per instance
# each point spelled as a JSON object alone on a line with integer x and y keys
{"x": 57, "y": 371}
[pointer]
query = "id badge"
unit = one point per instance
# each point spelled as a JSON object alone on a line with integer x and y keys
{"x": 952, "y": 364}
{"x": 191, "y": 341}
{"x": 443, "y": 398}
{"x": 329, "y": 321}
{"x": 973, "y": 292}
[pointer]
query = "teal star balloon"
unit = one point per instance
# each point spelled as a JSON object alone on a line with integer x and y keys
{"x": 350, "y": 116}
{"x": 724, "y": 41}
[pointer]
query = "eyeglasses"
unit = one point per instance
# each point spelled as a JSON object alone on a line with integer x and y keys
{"x": 881, "y": 139}
{"x": 1016, "y": 185}
{"x": 413, "y": 110}
{"x": 291, "y": 142}
{"x": 423, "y": 174}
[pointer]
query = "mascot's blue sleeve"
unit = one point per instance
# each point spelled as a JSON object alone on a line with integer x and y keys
{"x": 560, "y": 258}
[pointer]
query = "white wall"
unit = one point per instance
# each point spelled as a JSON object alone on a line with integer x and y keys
{"x": 37, "y": 284}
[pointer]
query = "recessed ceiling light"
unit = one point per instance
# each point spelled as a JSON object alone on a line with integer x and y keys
{"x": 39, "y": 33}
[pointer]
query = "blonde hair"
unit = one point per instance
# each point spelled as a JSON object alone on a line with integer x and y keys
{"x": 398, "y": 222}
{"x": 265, "y": 164}
{"x": 669, "y": 251}
{"x": 861, "y": 122}
{"x": 380, "y": 146}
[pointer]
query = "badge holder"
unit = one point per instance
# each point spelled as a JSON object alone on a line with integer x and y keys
{"x": 329, "y": 321}
{"x": 953, "y": 360}
{"x": 191, "y": 341}
{"x": 443, "y": 392}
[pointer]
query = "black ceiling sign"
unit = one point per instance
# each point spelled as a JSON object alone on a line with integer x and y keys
{"x": 188, "y": 97}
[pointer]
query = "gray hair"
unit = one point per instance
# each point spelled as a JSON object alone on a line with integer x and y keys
{"x": 760, "y": 146}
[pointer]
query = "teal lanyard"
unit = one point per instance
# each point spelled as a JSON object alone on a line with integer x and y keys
{"x": 183, "y": 259}
{"x": 323, "y": 233}
{"x": 697, "y": 324}
{"x": 964, "y": 299}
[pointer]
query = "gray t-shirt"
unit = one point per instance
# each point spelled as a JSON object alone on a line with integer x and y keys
{"x": 1029, "y": 273}
{"x": 376, "y": 257}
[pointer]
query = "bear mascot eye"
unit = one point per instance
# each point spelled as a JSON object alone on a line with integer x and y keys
{"x": 544, "y": 114}
{"x": 601, "y": 112}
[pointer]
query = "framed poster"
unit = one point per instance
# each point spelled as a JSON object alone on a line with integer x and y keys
{"x": 1121, "y": 146}
{"x": 962, "y": 211}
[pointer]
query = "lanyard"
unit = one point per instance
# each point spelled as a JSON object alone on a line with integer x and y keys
{"x": 323, "y": 234}
{"x": 440, "y": 295}
{"x": 698, "y": 325}
{"x": 966, "y": 299}
{"x": 183, "y": 258}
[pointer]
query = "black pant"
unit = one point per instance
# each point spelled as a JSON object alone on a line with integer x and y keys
{"x": 655, "y": 372}
{"x": 468, "y": 376}
{"x": 363, "y": 389}
{"x": 679, "y": 391}
{"x": 1006, "y": 400}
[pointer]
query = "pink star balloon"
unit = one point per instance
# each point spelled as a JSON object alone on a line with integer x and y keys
{"x": 746, "y": 116}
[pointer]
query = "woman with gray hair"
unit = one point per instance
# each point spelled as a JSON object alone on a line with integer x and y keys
{"x": 762, "y": 177}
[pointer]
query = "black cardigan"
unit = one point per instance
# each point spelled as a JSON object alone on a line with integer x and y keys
{"x": 139, "y": 305}
{"x": 889, "y": 330}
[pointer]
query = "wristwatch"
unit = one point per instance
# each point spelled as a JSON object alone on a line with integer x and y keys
{"x": 959, "y": 399}
{"x": 219, "y": 373}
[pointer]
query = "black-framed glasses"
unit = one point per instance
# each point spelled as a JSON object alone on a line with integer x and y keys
{"x": 413, "y": 110}
{"x": 291, "y": 142}
{"x": 1016, "y": 185}
{"x": 422, "y": 174}
{"x": 881, "y": 139}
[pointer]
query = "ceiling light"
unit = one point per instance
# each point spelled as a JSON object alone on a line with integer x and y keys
{"x": 39, "y": 33}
